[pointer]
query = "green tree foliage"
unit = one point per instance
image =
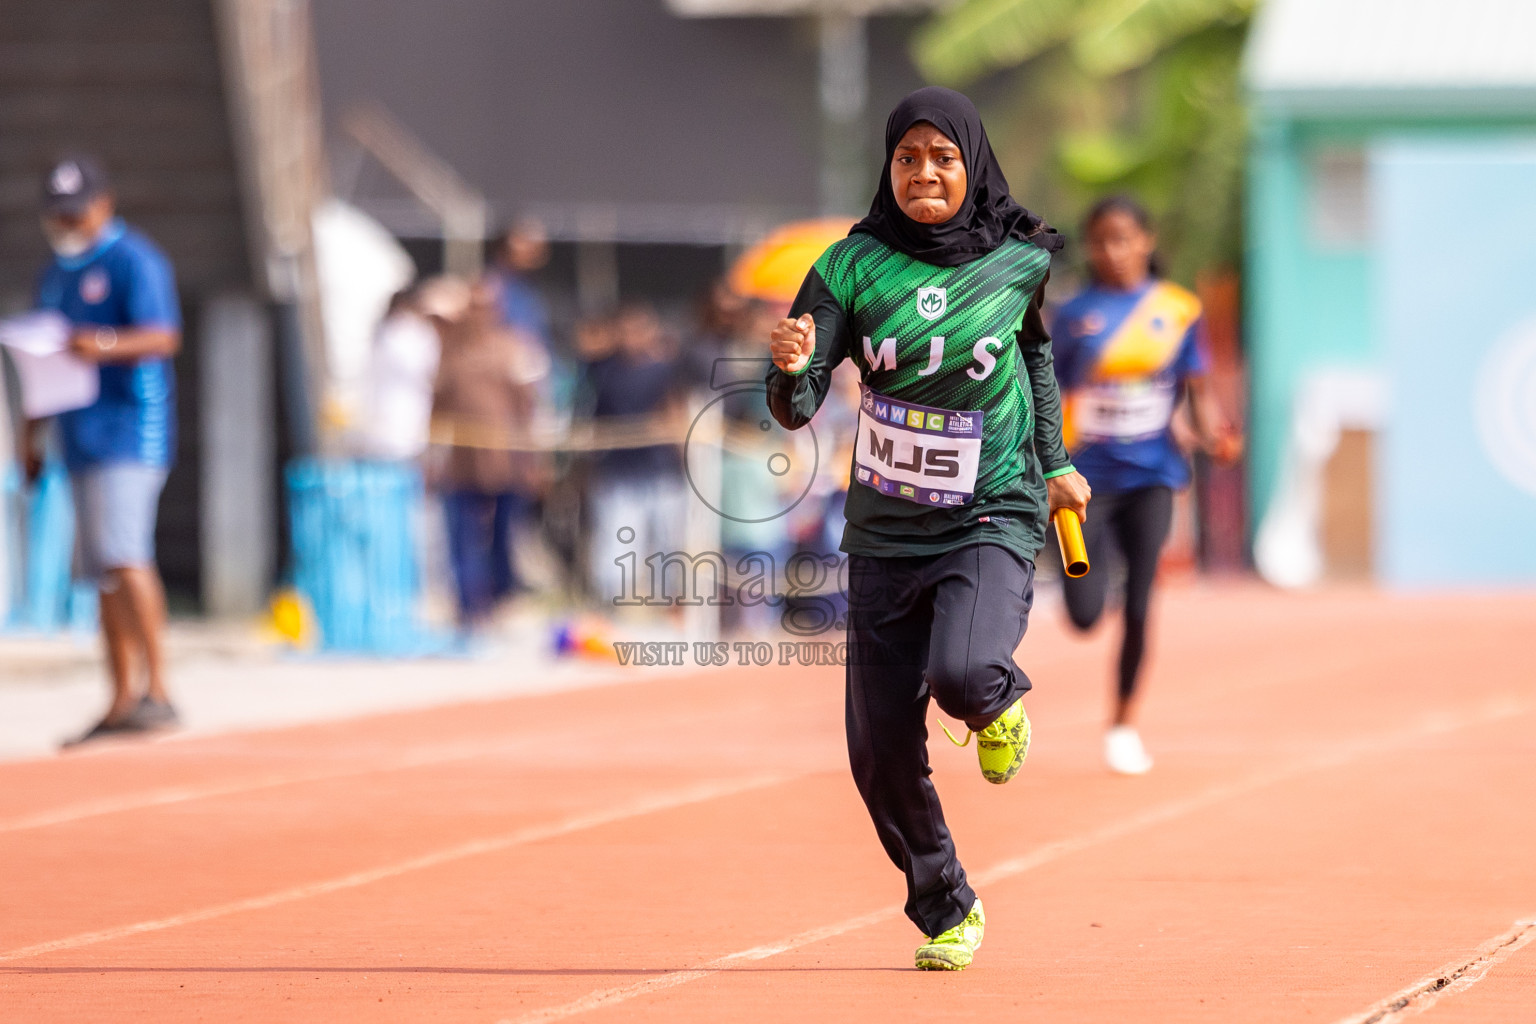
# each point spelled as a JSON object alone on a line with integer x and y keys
{"x": 1139, "y": 96}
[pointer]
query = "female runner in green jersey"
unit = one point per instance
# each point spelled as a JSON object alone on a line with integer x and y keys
{"x": 935, "y": 297}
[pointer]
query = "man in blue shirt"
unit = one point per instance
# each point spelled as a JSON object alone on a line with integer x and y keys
{"x": 118, "y": 293}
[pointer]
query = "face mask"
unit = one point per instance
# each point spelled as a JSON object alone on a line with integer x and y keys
{"x": 67, "y": 244}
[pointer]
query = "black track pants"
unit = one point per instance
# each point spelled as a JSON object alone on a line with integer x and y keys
{"x": 1136, "y": 523}
{"x": 944, "y": 626}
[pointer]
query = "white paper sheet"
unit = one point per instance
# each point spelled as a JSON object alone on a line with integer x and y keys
{"x": 52, "y": 379}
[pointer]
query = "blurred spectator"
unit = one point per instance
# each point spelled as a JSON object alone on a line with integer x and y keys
{"x": 817, "y": 522}
{"x": 397, "y": 400}
{"x": 118, "y": 292}
{"x": 522, "y": 252}
{"x": 597, "y": 338}
{"x": 634, "y": 384}
{"x": 484, "y": 403}
{"x": 755, "y": 536}
{"x": 721, "y": 312}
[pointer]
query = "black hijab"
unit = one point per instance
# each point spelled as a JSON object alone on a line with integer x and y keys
{"x": 988, "y": 217}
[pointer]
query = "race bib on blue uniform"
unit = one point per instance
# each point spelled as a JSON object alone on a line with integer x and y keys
{"x": 1123, "y": 410}
{"x": 916, "y": 452}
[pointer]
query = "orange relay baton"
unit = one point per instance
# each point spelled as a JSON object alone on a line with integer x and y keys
{"x": 1069, "y": 531}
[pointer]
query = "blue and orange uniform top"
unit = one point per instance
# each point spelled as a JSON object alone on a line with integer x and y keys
{"x": 1122, "y": 358}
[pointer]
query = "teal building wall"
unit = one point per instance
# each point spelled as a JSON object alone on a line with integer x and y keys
{"x": 1459, "y": 445}
{"x": 1310, "y": 301}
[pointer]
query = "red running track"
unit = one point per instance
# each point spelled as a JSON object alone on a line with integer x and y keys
{"x": 1341, "y": 815}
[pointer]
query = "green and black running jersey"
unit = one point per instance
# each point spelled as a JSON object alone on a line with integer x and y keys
{"x": 951, "y": 449}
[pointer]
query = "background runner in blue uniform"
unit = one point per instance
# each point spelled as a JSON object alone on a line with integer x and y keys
{"x": 1128, "y": 349}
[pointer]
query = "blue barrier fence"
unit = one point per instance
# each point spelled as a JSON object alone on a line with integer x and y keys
{"x": 355, "y": 529}
{"x": 39, "y": 535}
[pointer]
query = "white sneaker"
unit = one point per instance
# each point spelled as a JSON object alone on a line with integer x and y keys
{"x": 1124, "y": 753}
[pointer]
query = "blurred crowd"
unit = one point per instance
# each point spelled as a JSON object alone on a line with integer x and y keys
{"x": 550, "y": 452}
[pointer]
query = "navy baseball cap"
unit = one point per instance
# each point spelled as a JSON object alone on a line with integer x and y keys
{"x": 71, "y": 184}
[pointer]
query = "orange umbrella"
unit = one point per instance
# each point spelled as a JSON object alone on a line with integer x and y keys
{"x": 774, "y": 268}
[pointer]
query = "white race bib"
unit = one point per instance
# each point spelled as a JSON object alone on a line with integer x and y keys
{"x": 915, "y": 452}
{"x": 1122, "y": 410}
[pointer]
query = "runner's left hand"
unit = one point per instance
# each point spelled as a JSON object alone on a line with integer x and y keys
{"x": 1071, "y": 491}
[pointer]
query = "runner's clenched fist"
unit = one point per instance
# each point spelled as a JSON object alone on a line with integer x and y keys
{"x": 792, "y": 343}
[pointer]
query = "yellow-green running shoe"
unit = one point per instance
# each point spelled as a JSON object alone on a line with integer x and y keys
{"x": 953, "y": 950}
{"x": 1002, "y": 746}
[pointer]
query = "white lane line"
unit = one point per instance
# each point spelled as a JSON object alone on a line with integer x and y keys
{"x": 171, "y": 795}
{"x": 1431, "y": 727}
{"x": 420, "y": 757}
{"x": 1456, "y": 976}
{"x": 1343, "y": 754}
{"x": 473, "y": 848}
{"x": 234, "y": 786}
{"x": 423, "y": 757}
{"x": 611, "y": 996}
